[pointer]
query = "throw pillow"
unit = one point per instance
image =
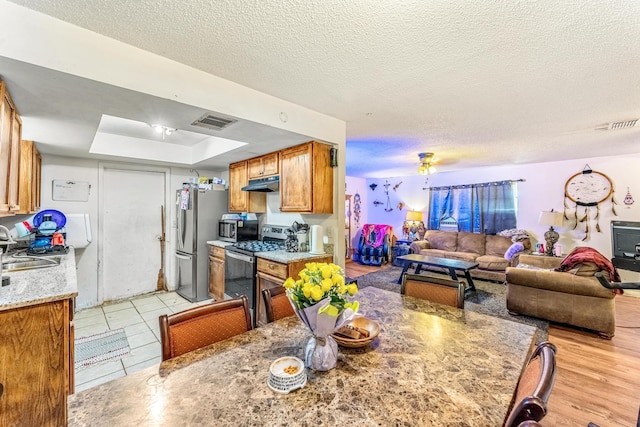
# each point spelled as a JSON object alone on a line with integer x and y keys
{"x": 513, "y": 250}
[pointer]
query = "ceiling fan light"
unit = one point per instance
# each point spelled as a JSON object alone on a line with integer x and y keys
{"x": 157, "y": 128}
{"x": 431, "y": 169}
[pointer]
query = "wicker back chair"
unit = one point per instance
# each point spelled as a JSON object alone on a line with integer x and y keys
{"x": 276, "y": 303}
{"x": 434, "y": 289}
{"x": 200, "y": 326}
{"x": 534, "y": 386}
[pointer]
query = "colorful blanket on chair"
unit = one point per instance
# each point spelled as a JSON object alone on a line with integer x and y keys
{"x": 584, "y": 254}
{"x": 374, "y": 234}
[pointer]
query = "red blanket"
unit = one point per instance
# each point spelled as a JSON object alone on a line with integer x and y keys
{"x": 584, "y": 254}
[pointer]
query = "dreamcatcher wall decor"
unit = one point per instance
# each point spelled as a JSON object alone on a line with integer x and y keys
{"x": 587, "y": 189}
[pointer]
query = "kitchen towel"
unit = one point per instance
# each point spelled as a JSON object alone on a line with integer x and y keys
{"x": 317, "y": 247}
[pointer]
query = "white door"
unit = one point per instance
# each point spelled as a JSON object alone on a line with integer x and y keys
{"x": 130, "y": 226}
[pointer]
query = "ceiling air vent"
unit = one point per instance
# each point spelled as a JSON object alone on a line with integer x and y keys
{"x": 210, "y": 121}
{"x": 617, "y": 125}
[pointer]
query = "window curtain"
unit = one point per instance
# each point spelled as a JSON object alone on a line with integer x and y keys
{"x": 497, "y": 207}
{"x": 479, "y": 208}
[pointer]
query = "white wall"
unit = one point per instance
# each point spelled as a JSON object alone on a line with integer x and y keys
{"x": 543, "y": 189}
{"x": 357, "y": 186}
{"x": 55, "y": 167}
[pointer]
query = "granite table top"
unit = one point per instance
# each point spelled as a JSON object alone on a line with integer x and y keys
{"x": 431, "y": 365}
{"x": 40, "y": 285}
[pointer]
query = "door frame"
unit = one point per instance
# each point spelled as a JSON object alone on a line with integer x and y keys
{"x": 102, "y": 166}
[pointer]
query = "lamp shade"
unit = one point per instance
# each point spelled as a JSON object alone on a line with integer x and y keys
{"x": 551, "y": 219}
{"x": 414, "y": 216}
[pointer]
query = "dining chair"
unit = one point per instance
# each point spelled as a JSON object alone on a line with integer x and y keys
{"x": 434, "y": 289}
{"x": 276, "y": 302}
{"x": 200, "y": 326}
{"x": 534, "y": 386}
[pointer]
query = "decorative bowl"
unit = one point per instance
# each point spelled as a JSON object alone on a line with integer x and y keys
{"x": 360, "y": 322}
{"x": 287, "y": 374}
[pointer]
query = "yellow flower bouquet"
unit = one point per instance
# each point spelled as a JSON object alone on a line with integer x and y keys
{"x": 319, "y": 298}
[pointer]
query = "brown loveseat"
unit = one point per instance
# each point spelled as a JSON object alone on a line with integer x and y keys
{"x": 485, "y": 249}
{"x": 574, "y": 297}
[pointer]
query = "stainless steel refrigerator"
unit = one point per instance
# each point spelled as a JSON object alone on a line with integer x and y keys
{"x": 197, "y": 222}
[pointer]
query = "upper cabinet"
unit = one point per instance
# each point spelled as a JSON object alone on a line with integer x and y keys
{"x": 30, "y": 178}
{"x": 243, "y": 201}
{"x": 263, "y": 166}
{"x": 10, "y": 137}
{"x": 306, "y": 179}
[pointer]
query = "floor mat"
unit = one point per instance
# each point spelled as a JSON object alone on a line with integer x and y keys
{"x": 98, "y": 348}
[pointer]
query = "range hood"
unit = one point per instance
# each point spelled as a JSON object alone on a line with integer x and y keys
{"x": 263, "y": 185}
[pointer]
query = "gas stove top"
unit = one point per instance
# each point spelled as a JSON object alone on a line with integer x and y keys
{"x": 273, "y": 237}
{"x": 259, "y": 246}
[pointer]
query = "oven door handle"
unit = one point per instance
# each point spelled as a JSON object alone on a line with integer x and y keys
{"x": 238, "y": 256}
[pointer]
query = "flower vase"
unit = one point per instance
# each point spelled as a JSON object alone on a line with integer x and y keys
{"x": 321, "y": 353}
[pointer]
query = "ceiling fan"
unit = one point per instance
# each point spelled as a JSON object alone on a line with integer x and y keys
{"x": 426, "y": 164}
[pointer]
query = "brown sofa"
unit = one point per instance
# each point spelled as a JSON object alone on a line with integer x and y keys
{"x": 485, "y": 249}
{"x": 575, "y": 297}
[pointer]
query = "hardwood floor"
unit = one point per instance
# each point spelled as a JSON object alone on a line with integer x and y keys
{"x": 598, "y": 380}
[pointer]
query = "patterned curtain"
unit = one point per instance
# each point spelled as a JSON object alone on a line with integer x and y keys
{"x": 479, "y": 208}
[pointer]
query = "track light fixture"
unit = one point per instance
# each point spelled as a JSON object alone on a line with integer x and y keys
{"x": 163, "y": 130}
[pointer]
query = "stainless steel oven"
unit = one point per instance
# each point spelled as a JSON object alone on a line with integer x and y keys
{"x": 240, "y": 263}
{"x": 237, "y": 230}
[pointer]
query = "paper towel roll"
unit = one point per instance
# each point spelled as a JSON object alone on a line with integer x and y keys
{"x": 317, "y": 248}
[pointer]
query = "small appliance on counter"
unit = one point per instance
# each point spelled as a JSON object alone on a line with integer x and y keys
{"x": 238, "y": 227}
{"x": 48, "y": 236}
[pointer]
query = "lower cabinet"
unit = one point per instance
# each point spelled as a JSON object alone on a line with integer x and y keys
{"x": 271, "y": 274}
{"x": 216, "y": 272}
{"x": 36, "y": 364}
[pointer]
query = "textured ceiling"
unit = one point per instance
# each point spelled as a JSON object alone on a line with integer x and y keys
{"x": 477, "y": 83}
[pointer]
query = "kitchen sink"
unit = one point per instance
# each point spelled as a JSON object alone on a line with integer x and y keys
{"x": 14, "y": 264}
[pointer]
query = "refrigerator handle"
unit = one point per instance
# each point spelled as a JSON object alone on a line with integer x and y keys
{"x": 180, "y": 228}
{"x": 184, "y": 257}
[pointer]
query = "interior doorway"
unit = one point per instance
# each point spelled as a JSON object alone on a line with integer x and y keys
{"x": 129, "y": 227}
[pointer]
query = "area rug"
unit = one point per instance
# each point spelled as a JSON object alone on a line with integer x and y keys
{"x": 98, "y": 348}
{"x": 489, "y": 298}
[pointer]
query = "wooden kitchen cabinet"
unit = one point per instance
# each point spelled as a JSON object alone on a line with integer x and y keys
{"x": 244, "y": 201}
{"x": 36, "y": 364}
{"x": 306, "y": 179}
{"x": 30, "y": 178}
{"x": 216, "y": 273}
{"x": 10, "y": 137}
{"x": 271, "y": 274}
{"x": 263, "y": 166}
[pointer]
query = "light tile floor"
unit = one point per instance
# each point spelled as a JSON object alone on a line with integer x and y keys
{"x": 139, "y": 318}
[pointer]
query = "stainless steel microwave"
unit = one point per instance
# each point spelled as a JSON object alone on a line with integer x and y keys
{"x": 236, "y": 230}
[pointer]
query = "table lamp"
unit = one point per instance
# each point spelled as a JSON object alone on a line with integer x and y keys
{"x": 551, "y": 236}
{"x": 411, "y": 221}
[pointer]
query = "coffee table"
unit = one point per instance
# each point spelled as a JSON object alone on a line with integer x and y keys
{"x": 452, "y": 265}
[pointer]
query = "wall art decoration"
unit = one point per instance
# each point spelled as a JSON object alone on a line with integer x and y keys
{"x": 356, "y": 210}
{"x": 628, "y": 200}
{"x": 400, "y": 206}
{"x": 377, "y": 203}
{"x": 588, "y": 189}
{"x": 395, "y": 187}
{"x": 386, "y": 191}
{"x": 373, "y": 186}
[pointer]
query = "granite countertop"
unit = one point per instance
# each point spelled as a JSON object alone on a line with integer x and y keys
{"x": 431, "y": 365}
{"x": 286, "y": 257}
{"x": 40, "y": 285}
{"x": 218, "y": 243}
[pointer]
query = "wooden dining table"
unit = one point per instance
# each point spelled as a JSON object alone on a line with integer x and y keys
{"x": 431, "y": 365}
